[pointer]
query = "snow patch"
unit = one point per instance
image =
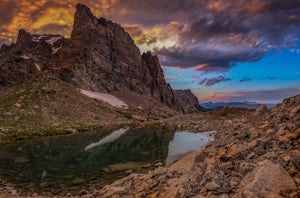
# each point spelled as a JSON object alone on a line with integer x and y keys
{"x": 38, "y": 38}
{"x": 108, "y": 98}
{"x": 55, "y": 49}
{"x": 25, "y": 57}
{"x": 38, "y": 67}
{"x": 52, "y": 40}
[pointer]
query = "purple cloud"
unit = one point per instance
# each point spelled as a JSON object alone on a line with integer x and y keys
{"x": 212, "y": 81}
{"x": 245, "y": 79}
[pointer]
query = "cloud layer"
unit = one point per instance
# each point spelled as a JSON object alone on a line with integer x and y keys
{"x": 262, "y": 96}
{"x": 210, "y": 35}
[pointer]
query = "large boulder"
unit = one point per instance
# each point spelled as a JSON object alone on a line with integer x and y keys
{"x": 267, "y": 180}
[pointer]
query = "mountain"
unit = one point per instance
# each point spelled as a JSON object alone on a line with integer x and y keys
{"x": 100, "y": 56}
{"x": 42, "y": 75}
{"x": 187, "y": 101}
{"x": 246, "y": 104}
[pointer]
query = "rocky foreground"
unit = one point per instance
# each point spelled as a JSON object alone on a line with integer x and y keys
{"x": 255, "y": 154}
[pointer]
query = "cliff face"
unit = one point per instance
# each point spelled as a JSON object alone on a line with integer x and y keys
{"x": 187, "y": 101}
{"x": 100, "y": 56}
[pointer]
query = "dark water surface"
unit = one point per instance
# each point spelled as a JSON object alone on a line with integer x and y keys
{"x": 89, "y": 160}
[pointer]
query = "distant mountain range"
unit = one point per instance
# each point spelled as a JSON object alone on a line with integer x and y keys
{"x": 245, "y": 104}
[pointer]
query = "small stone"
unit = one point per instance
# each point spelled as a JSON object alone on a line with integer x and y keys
{"x": 264, "y": 127}
{"x": 78, "y": 181}
{"x": 203, "y": 190}
{"x": 128, "y": 171}
{"x": 8, "y": 114}
{"x": 158, "y": 164}
{"x": 286, "y": 158}
{"x": 21, "y": 160}
{"x": 18, "y": 105}
{"x": 296, "y": 159}
{"x": 106, "y": 170}
{"x": 295, "y": 111}
{"x": 251, "y": 155}
{"x": 228, "y": 122}
{"x": 146, "y": 165}
{"x": 293, "y": 195}
{"x": 261, "y": 109}
{"x": 44, "y": 185}
{"x": 13, "y": 192}
{"x": 212, "y": 186}
{"x": 83, "y": 192}
{"x": 233, "y": 183}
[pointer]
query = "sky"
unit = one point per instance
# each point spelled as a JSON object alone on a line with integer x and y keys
{"x": 223, "y": 50}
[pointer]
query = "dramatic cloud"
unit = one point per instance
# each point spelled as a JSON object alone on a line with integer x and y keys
{"x": 210, "y": 35}
{"x": 245, "y": 79}
{"x": 227, "y": 32}
{"x": 212, "y": 81}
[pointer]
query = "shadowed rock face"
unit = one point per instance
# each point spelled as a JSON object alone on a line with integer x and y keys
{"x": 187, "y": 101}
{"x": 101, "y": 56}
{"x": 28, "y": 56}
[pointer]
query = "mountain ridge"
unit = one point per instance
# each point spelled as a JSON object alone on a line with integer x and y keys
{"x": 245, "y": 104}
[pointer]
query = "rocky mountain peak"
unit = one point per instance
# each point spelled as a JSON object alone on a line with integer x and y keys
{"x": 23, "y": 37}
{"x": 100, "y": 56}
{"x": 83, "y": 16}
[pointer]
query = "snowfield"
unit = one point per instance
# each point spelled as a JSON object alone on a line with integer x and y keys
{"x": 108, "y": 98}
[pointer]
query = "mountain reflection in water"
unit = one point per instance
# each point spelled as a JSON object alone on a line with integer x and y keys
{"x": 70, "y": 163}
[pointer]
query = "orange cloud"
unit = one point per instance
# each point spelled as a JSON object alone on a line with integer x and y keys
{"x": 215, "y": 5}
{"x": 36, "y": 15}
{"x": 254, "y": 7}
{"x": 155, "y": 37}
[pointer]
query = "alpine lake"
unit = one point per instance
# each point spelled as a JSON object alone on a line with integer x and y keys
{"x": 70, "y": 163}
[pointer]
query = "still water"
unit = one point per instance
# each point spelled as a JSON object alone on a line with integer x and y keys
{"x": 90, "y": 160}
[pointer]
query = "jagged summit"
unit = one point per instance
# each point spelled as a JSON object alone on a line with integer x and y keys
{"x": 104, "y": 58}
{"x": 100, "y": 56}
{"x": 83, "y": 16}
{"x": 23, "y": 37}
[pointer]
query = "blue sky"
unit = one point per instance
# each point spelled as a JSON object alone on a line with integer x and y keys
{"x": 268, "y": 80}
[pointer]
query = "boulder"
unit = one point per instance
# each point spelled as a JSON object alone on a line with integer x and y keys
{"x": 261, "y": 109}
{"x": 266, "y": 180}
